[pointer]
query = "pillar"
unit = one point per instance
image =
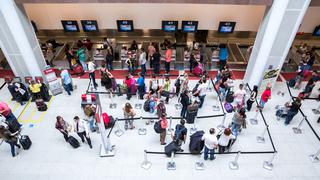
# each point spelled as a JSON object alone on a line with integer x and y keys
{"x": 275, "y": 36}
{"x": 19, "y": 42}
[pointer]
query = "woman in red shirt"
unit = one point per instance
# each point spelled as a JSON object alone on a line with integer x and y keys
{"x": 266, "y": 95}
{"x": 168, "y": 59}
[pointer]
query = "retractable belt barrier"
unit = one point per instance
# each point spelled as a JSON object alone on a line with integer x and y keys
{"x": 305, "y": 117}
{"x": 148, "y": 118}
{"x": 248, "y": 152}
{"x": 3, "y": 85}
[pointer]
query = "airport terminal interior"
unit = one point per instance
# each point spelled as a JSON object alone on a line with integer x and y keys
{"x": 153, "y": 89}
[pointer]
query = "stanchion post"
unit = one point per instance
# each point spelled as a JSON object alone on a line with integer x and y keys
{"x": 268, "y": 164}
{"x": 112, "y": 104}
{"x": 193, "y": 129}
{"x": 261, "y": 139}
{"x": 109, "y": 150}
{"x": 170, "y": 129}
{"x": 138, "y": 105}
{"x": 254, "y": 120}
{"x": 171, "y": 165}
{"x": 297, "y": 130}
{"x": 199, "y": 165}
{"x": 146, "y": 164}
{"x": 233, "y": 165}
{"x": 221, "y": 126}
{"x": 315, "y": 157}
{"x": 216, "y": 106}
{"x": 119, "y": 132}
{"x": 142, "y": 131}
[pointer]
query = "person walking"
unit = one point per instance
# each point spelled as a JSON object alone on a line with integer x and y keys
{"x": 63, "y": 127}
{"x": 294, "y": 109}
{"x": 253, "y": 97}
{"x": 91, "y": 69}
{"x": 109, "y": 59}
{"x": 168, "y": 59}
{"x": 10, "y": 138}
{"x": 210, "y": 144}
{"x": 82, "y": 129}
{"x": 81, "y": 54}
{"x": 185, "y": 101}
{"x": 143, "y": 61}
{"x": 66, "y": 81}
{"x": 266, "y": 95}
{"x": 129, "y": 115}
{"x": 164, "y": 125}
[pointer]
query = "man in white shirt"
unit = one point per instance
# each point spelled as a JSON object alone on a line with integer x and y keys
{"x": 91, "y": 69}
{"x": 239, "y": 96}
{"x": 210, "y": 144}
{"x": 202, "y": 89}
{"x": 142, "y": 61}
{"x": 82, "y": 129}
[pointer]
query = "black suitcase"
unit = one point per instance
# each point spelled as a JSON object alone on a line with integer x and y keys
{"x": 229, "y": 97}
{"x": 172, "y": 147}
{"x": 13, "y": 125}
{"x": 41, "y": 105}
{"x": 73, "y": 142}
{"x": 44, "y": 107}
{"x": 111, "y": 122}
{"x": 191, "y": 115}
{"x": 25, "y": 142}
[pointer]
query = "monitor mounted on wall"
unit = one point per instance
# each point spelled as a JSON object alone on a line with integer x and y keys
{"x": 316, "y": 31}
{"x": 169, "y": 26}
{"x": 70, "y": 25}
{"x": 226, "y": 27}
{"x": 189, "y": 26}
{"x": 125, "y": 25}
{"x": 89, "y": 25}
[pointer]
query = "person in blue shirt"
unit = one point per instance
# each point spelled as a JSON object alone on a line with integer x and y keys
{"x": 223, "y": 56}
{"x": 66, "y": 81}
{"x": 141, "y": 85}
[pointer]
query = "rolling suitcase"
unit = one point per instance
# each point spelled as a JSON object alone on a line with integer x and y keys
{"x": 41, "y": 105}
{"x": 13, "y": 125}
{"x": 78, "y": 69}
{"x": 172, "y": 147}
{"x": 230, "y": 96}
{"x": 191, "y": 115}
{"x": 73, "y": 142}
{"x": 196, "y": 144}
{"x": 25, "y": 142}
{"x": 228, "y": 107}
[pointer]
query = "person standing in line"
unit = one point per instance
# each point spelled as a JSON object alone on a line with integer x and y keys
{"x": 91, "y": 69}
{"x": 128, "y": 114}
{"x": 151, "y": 51}
{"x": 82, "y": 129}
{"x": 109, "y": 59}
{"x": 141, "y": 85}
{"x": 143, "y": 61}
{"x": 81, "y": 53}
{"x": 294, "y": 109}
{"x": 6, "y": 112}
{"x": 180, "y": 134}
{"x": 210, "y": 144}
{"x": 185, "y": 101}
{"x": 66, "y": 81}
{"x": 164, "y": 125}
{"x": 10, "y": 138}
{"x": 63, "y": 127}
{"x": 239, "y": 96}
{"x": 69, "y": 55}
{"x": 238, "y": 121}
{"x": 168, "y": 59}
{"x": 223, "y": 56}
{"x": 266, "y": 95}
{"x": 35, "y": 89}
{"x": 201, "y": 91}
{"x": 185, "y": 82}
{"x": 156, "y": 62}
{"x": 192, "y": 61}
{"x": 253, "y": 97}
{"x": 224, "y": 139}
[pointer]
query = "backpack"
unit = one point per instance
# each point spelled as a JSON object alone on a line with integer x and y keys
{"x": 196, "y": 144}
{"x": 157, "y": 127}
{"x": 178, "y": 132}
{"x": 146, "y": 105}
{"x": 228, "y": 107}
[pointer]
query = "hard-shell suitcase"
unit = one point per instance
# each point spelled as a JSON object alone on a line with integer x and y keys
{"x": 25, "y": 142}
{"x": 73, "y": 142}
{"x": 196, "y": 144}
{"x": 229, "y": 97}
{"x": 228, "y": 107}
{"x": 191, "y": 115}
{"x": 171, "y": 147}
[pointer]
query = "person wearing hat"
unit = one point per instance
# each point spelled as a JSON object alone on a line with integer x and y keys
{"x": 210, "y": 144}
{"x": 266, "y": 95}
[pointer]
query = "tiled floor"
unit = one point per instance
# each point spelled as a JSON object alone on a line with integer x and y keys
{"x": 50, "y": 157}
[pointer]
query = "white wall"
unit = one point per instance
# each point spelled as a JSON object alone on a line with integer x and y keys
{"x": 150, "y": 15}
{"x": 146, "y": 16}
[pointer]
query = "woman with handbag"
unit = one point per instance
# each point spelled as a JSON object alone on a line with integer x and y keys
{"x": 63, "y": 127}
{"x": 10, "y": 138}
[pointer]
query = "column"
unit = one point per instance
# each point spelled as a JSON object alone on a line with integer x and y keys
{"x": 275, "y": 36}
{"x": 19, "y": 42}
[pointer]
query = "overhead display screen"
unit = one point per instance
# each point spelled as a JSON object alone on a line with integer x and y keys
{"x": 125, "y": 25}
{"x": 226, "y": 27}
{"x": 89, "y": 25}
{"x": 189, "y": 26}
{"x": 316, "y": 31}
{"x": 70, "y": 25}
{"x": 169, "y": 26}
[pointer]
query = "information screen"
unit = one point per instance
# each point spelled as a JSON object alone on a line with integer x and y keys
{"x": 89, "y": 25}
{"x": 316, "y": 31}
{"x": 226, "y": 27}
{"x": 189, "y": 26}
{"x": 169, "y": 26}
{"x": 70, "y": 25}
{"x": 125, "y": 25}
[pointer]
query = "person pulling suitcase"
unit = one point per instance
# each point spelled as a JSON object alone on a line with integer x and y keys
{"x": 82, "y": 129}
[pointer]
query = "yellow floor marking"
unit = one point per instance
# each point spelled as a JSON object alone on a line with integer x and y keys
{"x": 23, "y": 111}
{"x": 31, "y": 120}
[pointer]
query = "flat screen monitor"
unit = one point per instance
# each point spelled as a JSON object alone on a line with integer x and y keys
{"x": 226, "y": 27}
{"x": 316, "y": 31}
{"x": 189, "y": 26}
{"x": 125, "y": 25}
{"x": 169, "y": 26}
{"x": 70, "y": 25}
{"x": 89, "y": 25}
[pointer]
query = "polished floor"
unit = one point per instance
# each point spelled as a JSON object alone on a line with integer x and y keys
{"x": 50, "y": 157}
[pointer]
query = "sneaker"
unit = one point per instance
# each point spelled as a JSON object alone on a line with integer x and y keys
{"x": 211, "y": 159}
{"x": 90, "y": 146}
{"x": 163, "y": 143}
